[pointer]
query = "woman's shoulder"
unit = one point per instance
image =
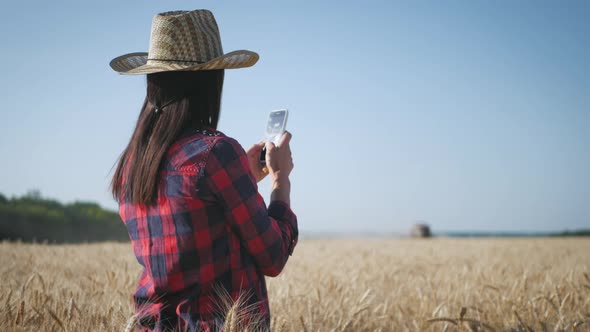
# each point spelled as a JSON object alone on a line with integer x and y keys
{"x": 193, "y": 147}
{"x": 208, "y": 136}
{"x": 191, "y": 133}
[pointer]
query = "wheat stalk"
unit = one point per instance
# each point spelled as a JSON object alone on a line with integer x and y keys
{"x": 302, "y": 321}
{"x": 56, "y": 319}
{"x": 8, "y": 306}
{"x": 231, "y": 321}
{"x": 131, "y": 323}
{"x": 70, "y": 310}
{"x": 20, "y": 314}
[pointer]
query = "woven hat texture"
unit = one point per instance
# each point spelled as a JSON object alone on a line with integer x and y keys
{"x": 183, "y": 40}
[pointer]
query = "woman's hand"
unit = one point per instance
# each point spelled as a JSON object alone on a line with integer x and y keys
{"x": 257, "y": 168}
{"x": 278, "y": 158}
{"x": 280, "y": 164}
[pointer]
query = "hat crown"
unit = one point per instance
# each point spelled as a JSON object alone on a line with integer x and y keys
{"x": 184, "y": 36}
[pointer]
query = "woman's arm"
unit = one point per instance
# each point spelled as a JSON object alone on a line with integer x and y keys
{"x": 269, "y": 235}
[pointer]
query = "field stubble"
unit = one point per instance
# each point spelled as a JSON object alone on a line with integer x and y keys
{"x": 328, "y": 285}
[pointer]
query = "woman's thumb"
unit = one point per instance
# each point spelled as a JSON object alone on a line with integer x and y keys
{"x": 270, "y": 148}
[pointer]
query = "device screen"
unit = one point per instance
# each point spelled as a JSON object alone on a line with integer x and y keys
{"x": 274, "y": 127}
{"x": 275, "y": 124}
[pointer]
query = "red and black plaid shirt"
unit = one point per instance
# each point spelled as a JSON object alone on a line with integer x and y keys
{"x": 210, "y": 229}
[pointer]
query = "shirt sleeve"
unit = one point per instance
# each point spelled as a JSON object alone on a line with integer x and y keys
{"x": 269, "y": 235}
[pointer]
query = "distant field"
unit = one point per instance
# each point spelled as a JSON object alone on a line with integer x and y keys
{"x": 328, "y": 285}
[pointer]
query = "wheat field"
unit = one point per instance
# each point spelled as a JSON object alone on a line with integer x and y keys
{"x": 441, "y": 284}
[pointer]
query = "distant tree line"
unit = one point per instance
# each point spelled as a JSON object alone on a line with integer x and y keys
{"x": 580, "y": 232}
{"x": 33, "y": 218}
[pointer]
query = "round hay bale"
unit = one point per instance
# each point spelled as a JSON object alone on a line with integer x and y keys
{"x": 421, "y": 231}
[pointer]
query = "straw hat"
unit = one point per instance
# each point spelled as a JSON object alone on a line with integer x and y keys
{"x": 183, "y": 40}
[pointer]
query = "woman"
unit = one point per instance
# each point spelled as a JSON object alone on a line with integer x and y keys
{"x": 188, "y": 193}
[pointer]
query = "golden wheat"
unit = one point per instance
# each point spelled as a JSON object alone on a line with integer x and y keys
{"x": 328, "y": 285}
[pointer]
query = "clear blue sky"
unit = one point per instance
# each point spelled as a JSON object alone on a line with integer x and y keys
{"x": 468, "y": 114}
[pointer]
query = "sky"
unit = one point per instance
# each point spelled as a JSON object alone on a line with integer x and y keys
{"x": 467, "y": 115}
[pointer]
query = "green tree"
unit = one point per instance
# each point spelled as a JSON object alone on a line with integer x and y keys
{"x": 32, "y": 217}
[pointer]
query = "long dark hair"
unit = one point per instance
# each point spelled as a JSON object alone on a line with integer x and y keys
{"x": 190, "y": 98}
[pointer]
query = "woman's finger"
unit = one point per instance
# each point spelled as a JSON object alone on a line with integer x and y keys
{"x": 255, "y": 149}
{"x": 285, "y": 139}
{"x": 270, "y": 150}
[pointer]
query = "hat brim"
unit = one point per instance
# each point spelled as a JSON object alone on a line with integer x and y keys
{"x": 137, "y": 63}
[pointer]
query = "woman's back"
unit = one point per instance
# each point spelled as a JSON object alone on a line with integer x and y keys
{"x": 209, "y": 238}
